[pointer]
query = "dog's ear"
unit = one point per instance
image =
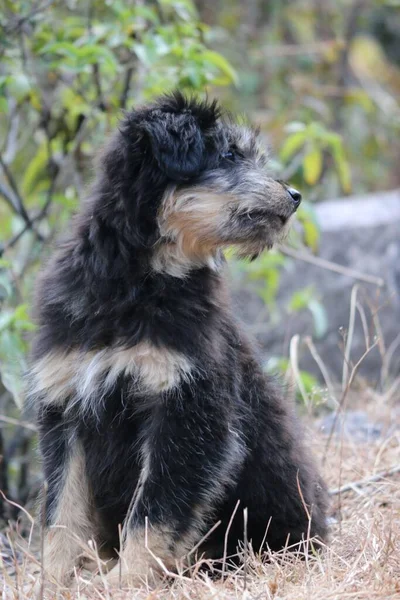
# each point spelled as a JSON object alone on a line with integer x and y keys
{"x": 176, "y": 142}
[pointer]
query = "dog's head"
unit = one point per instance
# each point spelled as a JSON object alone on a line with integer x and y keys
{"x": 195, "y": 181}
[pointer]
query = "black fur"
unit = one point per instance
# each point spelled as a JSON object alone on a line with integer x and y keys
{"x": 223, "y": 435}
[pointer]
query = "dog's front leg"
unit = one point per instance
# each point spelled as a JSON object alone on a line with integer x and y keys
{"x": 67, "y": 503}
{"x": 190, "y": 454}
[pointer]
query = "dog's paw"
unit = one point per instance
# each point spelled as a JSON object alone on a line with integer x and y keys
{"x": 47, "y": 590}
{"x": 124, "y": 578}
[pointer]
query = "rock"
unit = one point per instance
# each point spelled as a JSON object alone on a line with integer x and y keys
{"x": 361, "y": 233}
{"x": 352, "y": 424}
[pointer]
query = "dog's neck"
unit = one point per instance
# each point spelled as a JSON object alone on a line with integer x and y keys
{"x": 169, "y": 258}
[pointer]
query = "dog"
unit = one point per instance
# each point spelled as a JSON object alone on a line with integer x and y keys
{"x": 155, "y": 418}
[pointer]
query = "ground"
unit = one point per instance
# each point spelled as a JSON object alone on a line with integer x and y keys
{"x": 362, "y": 560}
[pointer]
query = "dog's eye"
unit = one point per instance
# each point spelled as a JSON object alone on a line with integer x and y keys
{"x": 229, "y": 155}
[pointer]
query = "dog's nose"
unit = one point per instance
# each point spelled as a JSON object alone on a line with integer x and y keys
{"x": 296, "y": 197}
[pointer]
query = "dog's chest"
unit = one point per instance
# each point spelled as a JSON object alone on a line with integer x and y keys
{"x": 82, "y": 379}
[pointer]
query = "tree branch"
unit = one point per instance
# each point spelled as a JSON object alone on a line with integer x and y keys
{"x": 126, "y": 88}
{"x": 13, "y": 27}
{"x": 8, "y": 197}
{"x": 17, "y": 202}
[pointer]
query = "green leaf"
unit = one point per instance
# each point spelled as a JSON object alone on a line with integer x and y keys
{"x": 18, "y": 85}
{"x": 63, "y": 48}
{"x": 92, "y": 53}
{"x": 146, "y": 12}
{"x": 13, "y": 364}
{"x": 6, "y": 289}
{"x": 3, "y": 105}
{"x": 301, "y": 299}
{"x": 306, "y": 215}
{"x": 221, "y": 63}
{"x": 12, "y": 379}
{"x": 310, "y": 384}
{"x": 306, "y": 299}
{"x": 35, "y": 169}
{"x": 184, "y": 9}
{"x": 312, "y": 166}
{"x": 22, "y": 320}
{"x": 316, "y": 131}
{"x": 342, "y": 168}
{"x": 311, "y": 234}
{"x": 269, "y": 290}
{"x": 292, "y": 144}
{"x": 6, "y": 318}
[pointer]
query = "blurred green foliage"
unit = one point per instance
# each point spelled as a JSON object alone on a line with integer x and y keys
{"x": 319, "y": 78}
{"x": 322, "y": 79}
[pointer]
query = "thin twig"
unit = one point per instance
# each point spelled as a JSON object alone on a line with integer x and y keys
{"x": 14, "y": 239}
{"x": 294, "y": 364}
{"x": 8, "y": 197}
{"x": 302, "y": 497}
{"x": 324, "y": 371}
{"x": 97, "y": 81}
{"x": 126, "y": 88}
{"x": 13, "y": 184}
{"x": 226, "y": 538}
{"x": 343, "y": 63}
{"x": 350, "y": 335}
{"x": 344, "y": 396}
{"x": 390, "y": 352}
{"x": 299, "y": 49}
{"x": 42, "y": 536}
{"x": 27, "y": 227}
{"x": 199, "y": 543}
{"x": 364, "y": 323}
{"x": 3, "y": 474}
{"x": 95, "y": 67}
{"x": 362, "y": 482}
{"x": 332, "y": 266}
{"x": 158, "y": 560}
{"x": 246, "y": 548}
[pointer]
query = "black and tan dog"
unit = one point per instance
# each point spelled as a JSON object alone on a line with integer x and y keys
{"x": 152, "y": 405}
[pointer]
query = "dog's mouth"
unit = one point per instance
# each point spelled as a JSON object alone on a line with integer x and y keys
{"x": 260, "y": 215}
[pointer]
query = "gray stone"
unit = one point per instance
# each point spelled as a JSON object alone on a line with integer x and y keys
{"x": 352, "y": 424}
{"x": 361, "y": 233}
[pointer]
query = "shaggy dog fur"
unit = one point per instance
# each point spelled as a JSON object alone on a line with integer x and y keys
{"x": 152, "y": 405}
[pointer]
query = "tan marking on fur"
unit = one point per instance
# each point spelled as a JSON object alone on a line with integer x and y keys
{"x": 195, "y": 220}
{"x": 137, "y": 563}
{"x": 71, "y": 527}
{"x": 158, "y": 368}
{"x": 170, "y": 258}
{"x": 53, "y": 375}
{"x": 192, "y": 220}
{"x": 76, "y": 374}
